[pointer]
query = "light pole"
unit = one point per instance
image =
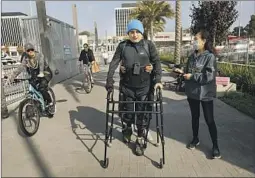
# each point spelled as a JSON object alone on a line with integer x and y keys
{"x": 75, "y": 23}
{"x": 30, "y": 7}
{"x": 239, "y": 32}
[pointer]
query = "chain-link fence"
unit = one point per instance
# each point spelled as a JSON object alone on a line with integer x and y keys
{"x": 17, "y": 90}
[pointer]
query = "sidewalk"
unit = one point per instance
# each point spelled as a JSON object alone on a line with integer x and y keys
{"x": 70, "y": 144}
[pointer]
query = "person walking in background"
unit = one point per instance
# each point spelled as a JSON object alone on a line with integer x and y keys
{"x": 200, "y": 87}
{"x": 105, "y": 56}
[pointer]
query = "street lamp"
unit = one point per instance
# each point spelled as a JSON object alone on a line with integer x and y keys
{"x": 239, "y": 32}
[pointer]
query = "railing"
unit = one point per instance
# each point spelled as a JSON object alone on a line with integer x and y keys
{"x": 15, "y": 91}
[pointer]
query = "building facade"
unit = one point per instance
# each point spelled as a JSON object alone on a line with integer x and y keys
{"x": 164, "y": 39}
{"x": 122, "y": 18}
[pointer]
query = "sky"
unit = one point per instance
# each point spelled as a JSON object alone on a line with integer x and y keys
{"x": 102, "y": 12}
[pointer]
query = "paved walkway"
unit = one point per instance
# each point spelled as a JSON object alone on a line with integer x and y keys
{"x": 70, "y": 144}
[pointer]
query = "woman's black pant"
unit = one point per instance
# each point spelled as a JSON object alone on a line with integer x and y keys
{"x": 208, "y": 111}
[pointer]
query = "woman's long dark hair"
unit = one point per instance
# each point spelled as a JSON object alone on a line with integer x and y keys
{"x": 205, "y": 35}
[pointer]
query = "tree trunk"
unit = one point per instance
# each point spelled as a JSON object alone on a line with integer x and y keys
{"x": 151, "y": 30}
{"x": 145, "y": 35}
{"x": 177, "y": 52}
{"x": 214, "y": 36}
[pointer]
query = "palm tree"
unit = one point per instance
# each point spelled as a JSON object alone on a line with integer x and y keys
{"x": 177, "y": 52}
{"x": 153, "y": 15}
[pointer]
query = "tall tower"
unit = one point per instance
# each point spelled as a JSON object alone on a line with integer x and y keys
{"x": 96, "y": 35}
{"x": 122, "y": 17}
{"x": 75, "y": 24}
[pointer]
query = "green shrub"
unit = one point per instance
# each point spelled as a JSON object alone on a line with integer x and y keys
{"x": 243, "y": 76}
{"x": 168, "y": 58}
{"x": 241, "y": 101}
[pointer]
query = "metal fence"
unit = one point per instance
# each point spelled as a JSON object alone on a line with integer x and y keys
{"x": 15, "y": 91}
{"x": 241, "y": 51}
{"x": 11, "y": 31}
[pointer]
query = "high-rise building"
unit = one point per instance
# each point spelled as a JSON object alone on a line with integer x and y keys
{"x": 122, "y": 18}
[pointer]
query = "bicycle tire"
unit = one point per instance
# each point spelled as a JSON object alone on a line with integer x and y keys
{"x": 88, "y": 89}
{"x": 53, "y": 97}
{"x": 20, "y": 117}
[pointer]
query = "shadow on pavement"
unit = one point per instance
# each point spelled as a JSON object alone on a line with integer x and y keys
{"x": 236, "y": 148}
{"x": 93, "y": 123}
{"x": 69, "y": 84}
{"x": 42, "y": 167}
{"x": 235, "y": 130}
{"x": 235, "y": 135}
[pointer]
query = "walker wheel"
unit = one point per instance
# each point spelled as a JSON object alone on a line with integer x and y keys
{"x": 106, "y": 163}
{"x": 157, "y": 144}
{"x": 161, "y": 163}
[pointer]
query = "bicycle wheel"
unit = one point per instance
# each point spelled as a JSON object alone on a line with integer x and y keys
{"x": 29, "y": 118}
{"x": 88, "y": 87}
{"x": 52, "y": 109}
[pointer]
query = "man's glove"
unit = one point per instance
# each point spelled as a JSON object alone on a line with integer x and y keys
{"x": 158, "y": 85}
{"x": 109, "y": 87}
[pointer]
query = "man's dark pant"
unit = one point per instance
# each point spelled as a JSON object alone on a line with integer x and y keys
{"x": 43, "y": 87}
{"x": 136, "y": 94}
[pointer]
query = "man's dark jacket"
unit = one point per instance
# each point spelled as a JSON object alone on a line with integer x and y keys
{"x": 86, "y": 56}
{"x": 133, "y": 53}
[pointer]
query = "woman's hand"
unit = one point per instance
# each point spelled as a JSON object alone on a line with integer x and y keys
{"x": 178, "y": 70}
{"x": 187, "y": 76}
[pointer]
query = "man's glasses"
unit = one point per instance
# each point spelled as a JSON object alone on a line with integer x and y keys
{"x": 30, "y": 50}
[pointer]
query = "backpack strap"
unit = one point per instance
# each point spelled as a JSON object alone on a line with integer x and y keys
{"x": 147, "y": 49}
{"x": 123, "y": 48}
{"x": 145, "y": 45}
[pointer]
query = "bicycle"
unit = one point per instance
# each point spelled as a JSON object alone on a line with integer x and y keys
{"x": 37, "y": 108}
{"x": 87, "y": 84}
{"x": 178, "y": 84}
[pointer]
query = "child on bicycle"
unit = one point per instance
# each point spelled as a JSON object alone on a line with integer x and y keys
{"x": 36, "y": 66}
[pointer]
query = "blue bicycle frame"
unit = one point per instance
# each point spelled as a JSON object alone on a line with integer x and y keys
{"x": 36, "y": 95}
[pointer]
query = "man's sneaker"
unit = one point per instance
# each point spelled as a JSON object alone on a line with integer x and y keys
{"x": 127, "y": 133}
{"x": 92, "y": 81}
{"x": 51, "y": 109}
{"x": 4, "y": 114}
{"x": 216, "y": 152}
{"x": 192, "y": 145}
{"x": 139, "y": 146}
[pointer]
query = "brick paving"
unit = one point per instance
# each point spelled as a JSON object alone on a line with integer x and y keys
{"x": 70, "y": 144}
